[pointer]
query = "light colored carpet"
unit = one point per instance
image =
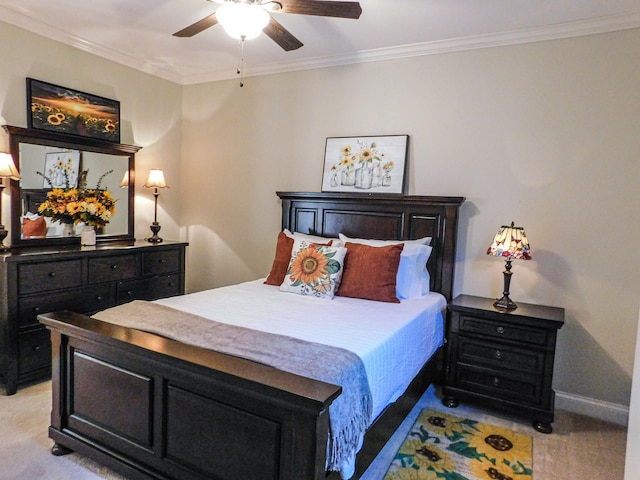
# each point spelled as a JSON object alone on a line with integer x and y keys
{"x": 580, "y": 448}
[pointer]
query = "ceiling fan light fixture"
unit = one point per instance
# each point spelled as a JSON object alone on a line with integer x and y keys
{"x": 242, "y": 20}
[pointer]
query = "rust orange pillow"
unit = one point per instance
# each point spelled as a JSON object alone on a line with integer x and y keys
{"x": 34, "y": 228}
{"x": 370, "y": 272}
{"x": 281, "y": 260}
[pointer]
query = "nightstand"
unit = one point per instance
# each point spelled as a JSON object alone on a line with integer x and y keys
{"x": 502, "y": 359}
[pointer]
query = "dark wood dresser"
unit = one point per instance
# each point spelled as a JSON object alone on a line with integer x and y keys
{"x": 502, "y": 359}
{"x": 36, "y": 280}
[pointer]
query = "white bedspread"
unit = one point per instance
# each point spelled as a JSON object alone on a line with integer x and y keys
{"x": 393, "y": 340}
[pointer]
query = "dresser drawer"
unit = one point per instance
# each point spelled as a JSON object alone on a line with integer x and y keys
{"x": 113, "y": 268}
{"x": 46, "y": 276}
{"x": 162, "y": 261}
{"x": 503, "y": 330}
{"x": 165, "y": 286}
{"x": 149, "y": 288}
{"x": 501, "y": 385}
{"x": 498, "y": 355}
{"x": 83, "y": 300}
{"x": 34, "y": 350}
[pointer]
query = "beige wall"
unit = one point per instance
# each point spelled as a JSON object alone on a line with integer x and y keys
{"x": 544, "y": 134}
{"x": 150, "y": 111}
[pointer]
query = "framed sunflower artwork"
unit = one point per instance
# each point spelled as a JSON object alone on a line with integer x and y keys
{"x": 375, "y": 164}
{"x": 63, "y": 110}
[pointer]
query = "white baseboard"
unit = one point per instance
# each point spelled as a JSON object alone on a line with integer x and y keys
{"x": 610, "y": 412}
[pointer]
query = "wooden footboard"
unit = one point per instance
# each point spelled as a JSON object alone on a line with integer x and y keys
{"x": 150, "y": 407}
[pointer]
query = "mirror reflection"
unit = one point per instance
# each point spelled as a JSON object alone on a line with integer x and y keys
{"x": 69, "y": 182}
{"x": 44, "y": 167}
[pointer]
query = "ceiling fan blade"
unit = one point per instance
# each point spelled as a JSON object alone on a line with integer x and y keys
{"x": 281, "y": 36}
{"x": 323, "y": 8}
{"x": 197, "y": 27}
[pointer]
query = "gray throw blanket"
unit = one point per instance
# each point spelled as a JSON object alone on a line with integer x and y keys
{"x": 350, "y": 414}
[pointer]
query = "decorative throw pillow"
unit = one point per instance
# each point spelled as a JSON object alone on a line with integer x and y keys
{"x": 283, "y": 256}
{"x": 413, "y": 278}
{"x": 314, "y": 269}
{"x": 370, "y": 272}
{"x": 281, "y": 260}
{"x": 34, "y": 228}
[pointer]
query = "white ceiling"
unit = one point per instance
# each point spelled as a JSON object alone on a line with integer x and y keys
{"x": 138, "y": 33}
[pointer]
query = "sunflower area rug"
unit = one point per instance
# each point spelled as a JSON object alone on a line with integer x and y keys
{"x": 442, "y": 446}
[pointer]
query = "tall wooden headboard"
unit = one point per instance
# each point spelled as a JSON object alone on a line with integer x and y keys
{"x": 385, "y": 217}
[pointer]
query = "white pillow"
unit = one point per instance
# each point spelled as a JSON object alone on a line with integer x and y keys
{"x": 315, "y": 271}
{"x": 413, "y": 279}
{"x": 383, "y": 243}
{"x": 335, "y": 242}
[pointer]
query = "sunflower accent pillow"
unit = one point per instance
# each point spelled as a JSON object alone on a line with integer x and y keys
{"x": 314, "y": 269}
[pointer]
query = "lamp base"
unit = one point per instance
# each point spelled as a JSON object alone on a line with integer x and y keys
{"x": 155, "y": 228}
{"x": 3, "y": 235}
{"x": 505, "y": 303}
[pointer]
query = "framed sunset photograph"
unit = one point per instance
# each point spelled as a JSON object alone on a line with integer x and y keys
{"x": 63, "y": 110}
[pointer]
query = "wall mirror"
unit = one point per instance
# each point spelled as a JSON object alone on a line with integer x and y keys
{"x": 63, "y": 160}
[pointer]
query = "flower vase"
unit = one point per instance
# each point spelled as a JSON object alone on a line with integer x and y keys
{"x": 348, "y": 178}
{"x": 386, "y": 180}
{"x": 88, "y": 236}
{"x": 364, "y": 177}
{"x": 67, "y": 230}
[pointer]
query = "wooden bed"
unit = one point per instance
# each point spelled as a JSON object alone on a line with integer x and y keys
{"x": 182, "y": 412}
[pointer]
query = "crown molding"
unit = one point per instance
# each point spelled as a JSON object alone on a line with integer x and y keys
{"x": 550, "y": 32}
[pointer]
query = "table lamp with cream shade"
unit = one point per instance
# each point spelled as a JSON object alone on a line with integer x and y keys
{"x": 155, "y": 180}
{"x": 7, "y": 170}
{"x": 511, "y": 243}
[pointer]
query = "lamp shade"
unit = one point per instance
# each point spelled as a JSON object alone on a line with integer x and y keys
{"x": 156, "y": 179}
{"x": 242, "y": 20}
{"x": 7, "y": 167}
{"x": 125, "y": 180}
{"x": 510, "y": 242}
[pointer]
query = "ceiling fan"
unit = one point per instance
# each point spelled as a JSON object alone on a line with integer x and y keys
{"x": 244, "y": 19}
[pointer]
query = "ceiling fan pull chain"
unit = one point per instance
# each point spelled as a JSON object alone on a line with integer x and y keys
{"x": 240, "y": 70}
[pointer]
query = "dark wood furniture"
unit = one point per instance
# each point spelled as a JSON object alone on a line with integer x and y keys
{"x": 154, "y": 408}
{"x": 84, "y": 279}
{"x": 503, "y": 359}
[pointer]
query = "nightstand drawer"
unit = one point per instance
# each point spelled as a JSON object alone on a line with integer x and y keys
{"x": 162, "y": 261}
{"x": 494, "y": 354}
{"x": 45, "y": 276}
{"x": 112, "y": 268}
{"x": 502, "y": 330}
{"x": 34, "y": 350}
{"x": 500, "y": 385}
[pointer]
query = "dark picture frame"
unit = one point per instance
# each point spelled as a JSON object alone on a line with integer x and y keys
{"x": 373, "y": 164}
{"x": 63, "y": 110}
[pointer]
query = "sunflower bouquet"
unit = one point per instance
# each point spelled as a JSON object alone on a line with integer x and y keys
{"x": 70, "y": 205}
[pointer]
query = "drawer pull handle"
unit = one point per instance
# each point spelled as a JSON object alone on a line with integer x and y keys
{"x": 114, "y": 267}
{"x": 170, "y": 284}
{"x": 496, "y": 381}
{"x": 36, "y": 310}
{"x": 129, "y": 292}
{"x": 162, "y": 260}
{"x": 99, "y": 298}
{"x": 498, "y": 354}
{"x": 52, "y": 274}
{"x": 37, "y": 348}
{"x": 500, "y": 330}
